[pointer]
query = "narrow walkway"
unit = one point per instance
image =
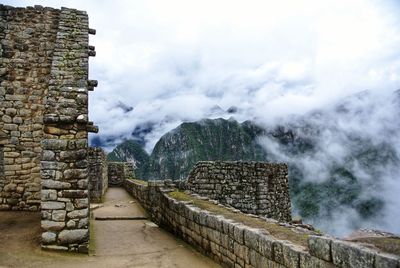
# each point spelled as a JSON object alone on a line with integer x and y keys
{"x": 115, "y": 243}
{"x": 140, "y": 242}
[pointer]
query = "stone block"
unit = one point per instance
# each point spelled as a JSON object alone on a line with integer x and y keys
{"x": 308, "y": 261}
{"x": 52, "y": 184}
{"x": 48, "y": 195}
{"x": 52, "y": 225}
{"x": 265, "y": 246}
{"x": 81, "y": 213}
{"x": 251, "y": 238}
{"x": 58, "y": 215}
{"x": 54, "y": 144}
{"x": 278, "y": 252}
{"x": 291, "y": 254}
{"x": 73, "y": 236}
{"x": 383, "y": 260}
{"x": 238, "y": 233}
{"x": 48, "y": 237}
{"x": 346, "y": 254}
{"x": 320, "y": 247}
{"x": 53, "y": 205}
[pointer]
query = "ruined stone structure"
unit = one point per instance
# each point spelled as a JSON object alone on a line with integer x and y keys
{"x": 228, "y": 238}
{"x": 118, "y": 172}
{"x": 44, "y": 120}
{"x": 252, "y": 187}
{"x": 98, "y": 174}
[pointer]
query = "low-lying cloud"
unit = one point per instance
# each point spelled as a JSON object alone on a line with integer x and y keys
{"x": 160, "y": 63}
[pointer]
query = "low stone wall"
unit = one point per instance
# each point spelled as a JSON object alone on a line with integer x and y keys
{"x": 118, "y": 172}
{"x": 235, "y": 245}
{"x": 252, "y": 187}
{"x": 98, "y": 173}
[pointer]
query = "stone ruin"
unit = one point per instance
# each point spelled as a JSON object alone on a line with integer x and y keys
{"x": 46, "y": 164}
{"x": 98, "y": 174}
{"x": 118, "y": 172}
{"x": 252, "y": 187}
{"x": 44, "y": 120}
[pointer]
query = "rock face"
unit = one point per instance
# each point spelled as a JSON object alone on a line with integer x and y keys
{"x": 44, "y": 118}
{"x": 133, "y": 152}
{"x": 178, "y": 151}
{"x": 252, "y": 187}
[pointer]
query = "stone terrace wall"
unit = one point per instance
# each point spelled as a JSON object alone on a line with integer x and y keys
{"x": 118, "y": 172}
{"x": 252, "y": 187}
{"x": 235, "y": 245}
{"x": 98, "y": 173}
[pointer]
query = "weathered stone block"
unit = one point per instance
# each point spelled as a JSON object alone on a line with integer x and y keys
{"x": 81, "y": 213}
{"x": 53, "y": 205}
{"x": 48, "y": 237}
{"x": 265, "y": 247}
{"x": 308, "y": 261}
{"x": 251, "y": 238}
{"x": 54, "y": 144}
{"x": 345, "y": 254}
{"x": 48, "y": 195}
{"x": 52, "y": 184}
{"x": 238, "y": 233}
{"x": 73, "y": 236}
{"x": 52, "y": 225}
{"x": 58, "y": 215}
{"x": 320, "y": 247}
{"x": 383, "y": 260}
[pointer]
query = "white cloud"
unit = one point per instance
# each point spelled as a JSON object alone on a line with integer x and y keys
{"x": 266, "y": 57}
{"x": 175, "y": 60}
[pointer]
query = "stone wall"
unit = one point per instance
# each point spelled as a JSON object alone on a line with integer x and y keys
{"x": 118, "y": 172}
{"x": 252, "y": 187}
{"x": 44, "y": 119}
{"x": 234, "y": 244}
{"x": 27, "y": 43}
{"x": 98, "y": 174}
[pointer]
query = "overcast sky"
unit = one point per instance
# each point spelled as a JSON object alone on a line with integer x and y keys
{"x": 174, "y": 61}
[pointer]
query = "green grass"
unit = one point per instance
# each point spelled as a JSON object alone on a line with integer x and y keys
{"x": 387, "y": 244}
{"x": 277, "y": 231}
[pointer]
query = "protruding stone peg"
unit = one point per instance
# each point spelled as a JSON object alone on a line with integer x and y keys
{"x": 92, "y": 31}
{"x": 92, "y": 48}
{"x": 92, "y": 128}
{"x": 92, "y": 53}
{"x": 92, "y": 84}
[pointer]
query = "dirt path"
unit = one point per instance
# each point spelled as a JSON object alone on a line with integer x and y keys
{"x": 115, "y": 243}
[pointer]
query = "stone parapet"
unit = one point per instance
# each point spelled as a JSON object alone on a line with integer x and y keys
{"x": 234, "y": 244}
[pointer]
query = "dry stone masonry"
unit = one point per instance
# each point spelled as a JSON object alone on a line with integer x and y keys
{"x": 118, "y": 172}
{"x": 252, "y": 187}
{"x": 44, "y": 120}
{"x": 234, "y": 244}
{"x": 98, "y": 174}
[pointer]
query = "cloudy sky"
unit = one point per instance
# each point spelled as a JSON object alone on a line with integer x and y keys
{"x": 174, "y": 61}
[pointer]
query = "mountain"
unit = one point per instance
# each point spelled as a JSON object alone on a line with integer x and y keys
{"x": 343, "y": 159}
{"x": 131, "y": 151}
{"x": 179, "y": 150}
